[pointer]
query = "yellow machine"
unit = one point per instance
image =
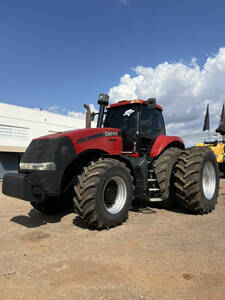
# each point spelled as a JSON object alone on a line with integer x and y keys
{"x": 218, "y": 148}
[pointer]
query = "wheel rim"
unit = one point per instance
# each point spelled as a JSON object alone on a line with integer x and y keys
{"x": 115, "y": 194}
{"x": 209, "y": 180}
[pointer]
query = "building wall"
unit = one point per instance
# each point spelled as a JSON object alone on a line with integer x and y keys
{"x": 19, "y": 125}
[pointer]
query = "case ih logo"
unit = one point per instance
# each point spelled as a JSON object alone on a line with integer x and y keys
{"x": 98, "y": 135}
{"x": 111, "y": 133}
{"x": 128, "y": 112}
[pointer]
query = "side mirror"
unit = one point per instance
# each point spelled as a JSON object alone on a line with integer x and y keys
{"x": 151, "y": 103}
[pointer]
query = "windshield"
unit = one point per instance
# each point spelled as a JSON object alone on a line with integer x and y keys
{"x": 124, "y": 118}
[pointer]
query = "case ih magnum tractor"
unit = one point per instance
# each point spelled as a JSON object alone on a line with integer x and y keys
{"x": 101, "y": 170}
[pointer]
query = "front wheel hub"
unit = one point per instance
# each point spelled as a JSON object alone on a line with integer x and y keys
{"x": 115, "y": 195}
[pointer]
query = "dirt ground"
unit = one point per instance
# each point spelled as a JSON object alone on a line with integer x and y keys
{"x": 156, "y": 254}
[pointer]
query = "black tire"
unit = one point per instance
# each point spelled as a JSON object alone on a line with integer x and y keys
{"x": 164, "y": 169}
{"x": 197, "y": 180}
{"x": 103, "y": 193}
{"x": 52, "y": 206}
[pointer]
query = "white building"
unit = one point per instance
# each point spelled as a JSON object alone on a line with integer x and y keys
{"x": 19, "y": 125}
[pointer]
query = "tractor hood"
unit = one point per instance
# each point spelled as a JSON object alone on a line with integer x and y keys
{"x": 105, "y": 139}
{"x": 48, "y": 157}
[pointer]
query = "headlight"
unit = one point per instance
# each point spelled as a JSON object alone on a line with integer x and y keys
{"x": 45, "y": 166}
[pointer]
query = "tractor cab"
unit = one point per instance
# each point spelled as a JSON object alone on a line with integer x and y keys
{"x": 140, "y": 123}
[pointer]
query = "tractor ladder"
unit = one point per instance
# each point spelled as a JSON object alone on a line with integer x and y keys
{"x": 153, "y": 186}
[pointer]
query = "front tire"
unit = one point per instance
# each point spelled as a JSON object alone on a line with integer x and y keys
{"x": 197, "y": 180}
{"x": 103, "y": 193}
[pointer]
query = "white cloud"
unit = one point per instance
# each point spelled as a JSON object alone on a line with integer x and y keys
{"x": 54, "y": 109}
{"x": 76, "y": 115}
{"x": 125, "y": 2}
{"x": 79, "y": 115}
{"x": 92, "y": 108}
{"x": 182, "y": 89}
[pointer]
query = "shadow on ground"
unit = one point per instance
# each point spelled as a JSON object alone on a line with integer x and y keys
{"x": 81, "y": 224}
{"x": 145, "y": 207}
{"x": 36, "y": 219}
{"x": 138, "y": 206}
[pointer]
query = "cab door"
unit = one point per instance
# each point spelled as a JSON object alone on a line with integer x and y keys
{"x": 151, "y": 126}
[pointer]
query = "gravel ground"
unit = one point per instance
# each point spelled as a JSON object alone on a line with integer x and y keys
{"x": 156, "y": 254}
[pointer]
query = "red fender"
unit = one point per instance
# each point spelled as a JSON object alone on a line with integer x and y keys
{"x": 163, "y": 141}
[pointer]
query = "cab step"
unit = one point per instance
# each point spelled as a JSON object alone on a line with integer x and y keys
{"x": 153, "y": 189}
{"x": 155, "y": 199}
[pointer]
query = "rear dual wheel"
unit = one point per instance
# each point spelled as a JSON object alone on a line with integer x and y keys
{"x": 164, "y": 166}
{"x": 103, "y": 193}
{"x": 197, "y": 180}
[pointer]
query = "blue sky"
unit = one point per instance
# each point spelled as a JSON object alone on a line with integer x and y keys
{"x": 66, "y": 52}
{"x": 59, "y": 54}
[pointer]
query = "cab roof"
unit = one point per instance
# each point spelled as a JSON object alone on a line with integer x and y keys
{"x": 130, "y": 102}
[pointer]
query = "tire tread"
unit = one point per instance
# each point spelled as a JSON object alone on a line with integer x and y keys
{"x": 86, "y": 189}
{"x": 188, "y": 181}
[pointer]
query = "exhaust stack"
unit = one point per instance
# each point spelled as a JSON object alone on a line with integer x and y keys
{"x": 88, "y": 116}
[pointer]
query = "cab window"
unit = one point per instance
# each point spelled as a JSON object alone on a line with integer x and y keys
{"x": 151, "y": 123}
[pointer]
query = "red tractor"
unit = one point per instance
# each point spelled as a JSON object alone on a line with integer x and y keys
{"x": 101, "y": 170}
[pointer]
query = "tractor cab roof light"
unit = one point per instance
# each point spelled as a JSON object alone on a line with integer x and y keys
{"x": 136, "y": 101}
